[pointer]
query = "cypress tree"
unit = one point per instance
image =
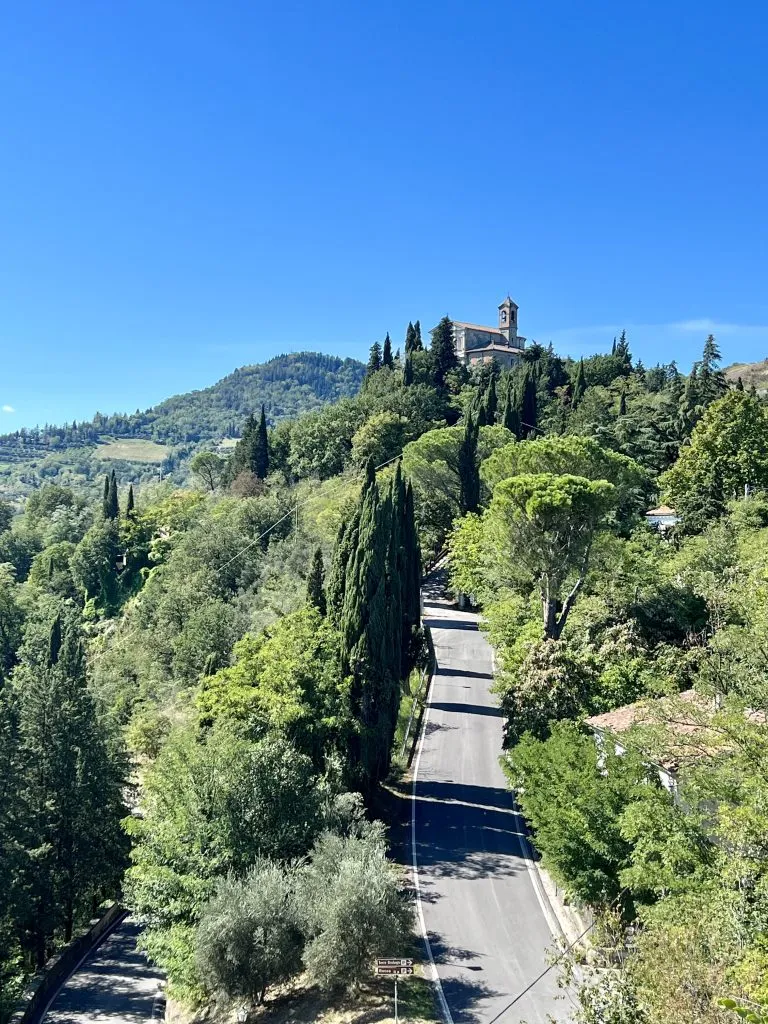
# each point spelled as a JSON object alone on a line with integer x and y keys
{"x": 613, "y": 348}
{"x": 739, "y": 384}
{"x": 386, "y": 352}
{"x": 105, "y": 498}
{"x": 411, "y": 577}
{"x": 623, "y": 404}
{"x": 528, "y": 410}
{"x": 374, "y": 360}
{"x": 579, "y": 384}
{"x": 410, "y": 338}
{"x": 112, "y": 506}
{"x": 315, "y": 581}
{"x": 491, "y": 403}
{"x": 510, "y": 416}
{"x": 72, "y": 789}
{"x": 408, "y": 371}
{"x": 260, "y": 462}
{"x": 129, "y": 505}
{"x": 443, "y": 352}
{"x": 469, "y": 470}
{"x": 417, "y": 342}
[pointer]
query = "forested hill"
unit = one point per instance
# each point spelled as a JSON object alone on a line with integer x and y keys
{"x": 286, "y": 385}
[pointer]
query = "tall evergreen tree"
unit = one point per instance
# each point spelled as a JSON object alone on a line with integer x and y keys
{"x": 491, "y": 403}
{"x": 623, "y": 404}
{"x": 469, "y": 469}
{"x": 510, "y": 416}
{"x": 260, "y": 463}
{"x": 129, "y": 505}
{"x": 410, "y": 338}
{"x": 622, "y": 350}
{"x": 315, "y": 583}
{"x": 386, "y": 352}
{"x": 112, "y": 503}
{"x": 105, "y": 498}
{"x": 73, "y": 788}
{"x": 374, "y": 360}
{"x": 712, "y": 381}
{"x": 408, "y": 371}
{"x": 528, "y": 405}
{"x": 443, "y": 351}
{"x": 417, "y": 342}
{"x": 739, "y": 384}
{"x": 579, "y": 384}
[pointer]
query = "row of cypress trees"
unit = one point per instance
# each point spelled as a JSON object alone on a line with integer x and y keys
{"x": 251, "y": 452}
{"x": 110, "y": 505}
{"x": 373, "y": 598}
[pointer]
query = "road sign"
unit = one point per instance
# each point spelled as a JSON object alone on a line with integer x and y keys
{"x": 397, "y": 965}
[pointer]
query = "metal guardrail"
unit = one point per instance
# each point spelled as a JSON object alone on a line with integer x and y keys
{"x": 45, "y": 986}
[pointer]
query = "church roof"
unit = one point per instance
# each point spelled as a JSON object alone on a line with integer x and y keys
{"x": 477, "y": 327}
{"x": 496, "y": 347}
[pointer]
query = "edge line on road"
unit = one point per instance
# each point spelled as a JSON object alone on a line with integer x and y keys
{"x": 446, "y": 1013}
{"x": 89, "y": 952}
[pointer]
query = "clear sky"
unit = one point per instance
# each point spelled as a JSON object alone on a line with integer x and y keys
{"x": 188, "y": 186}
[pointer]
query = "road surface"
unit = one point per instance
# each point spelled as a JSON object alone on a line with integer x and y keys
{"x": 484, "y": 920}
{"x": 114, "y": 985}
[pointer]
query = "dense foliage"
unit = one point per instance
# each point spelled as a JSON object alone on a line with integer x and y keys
{"x": 237, "y": 651}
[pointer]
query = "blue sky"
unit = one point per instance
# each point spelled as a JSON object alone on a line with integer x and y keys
{"x": 186, "y": 187}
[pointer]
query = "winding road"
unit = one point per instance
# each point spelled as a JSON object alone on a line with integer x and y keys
{"x": 485, "y": 916}
{"x": 114, "y": 985}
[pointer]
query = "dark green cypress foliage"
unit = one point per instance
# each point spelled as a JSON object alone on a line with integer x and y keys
{"x": 491, "y": 403}
{"x": 417, "y": 342}
{"x": 752, "y": 390}
{"x": 510, "y": 417}
{"x": 112, "y": 505}
{"x": 623, "y": 404}
{"x": 529, "y": 410}
{"x": 469, "y": 470}
{"x": 579, "y": 384}
{"x": 410, "y": 338}
{"x": 613, "y": 348}
{"x": 478, "y": 413}
{"x": 442, "y": 351}
{"x": 374, "y": 359}
{"x": 54, "y": 641}
{"x": 105, "y": 499}
{"x": 386, "y": 352}
{"x": 411, "y": 578}
{"x": 408, "y": 371}
{"x": 739, "y": 384}
{"x": 315, "y": 581}
{"x": 260, "y": 463}
{"x": 129, "y": 505}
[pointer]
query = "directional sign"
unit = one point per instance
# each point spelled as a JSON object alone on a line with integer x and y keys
{"x": 397, "y": 965}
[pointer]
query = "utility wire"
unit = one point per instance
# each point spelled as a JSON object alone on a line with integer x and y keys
{"x": 554, "y": 963}
{"x": 291, "y": 511}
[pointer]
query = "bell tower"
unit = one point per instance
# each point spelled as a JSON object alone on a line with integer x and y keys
{"x": 508, "y": 319}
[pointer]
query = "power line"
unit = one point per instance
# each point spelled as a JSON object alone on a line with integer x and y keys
{"x": 251, "y": 544}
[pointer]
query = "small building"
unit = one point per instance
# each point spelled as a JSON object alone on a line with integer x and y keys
{"x": 661, "y": 518}
{"x": 476, "y": 344}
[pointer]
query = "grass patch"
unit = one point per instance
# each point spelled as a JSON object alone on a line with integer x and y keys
{"x": 416, "y": 692}
{"x": 132, "y": 449}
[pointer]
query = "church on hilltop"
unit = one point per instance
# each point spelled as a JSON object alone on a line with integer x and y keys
{"x": 476, "y": 344}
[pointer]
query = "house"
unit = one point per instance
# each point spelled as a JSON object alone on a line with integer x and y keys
{"x": 476, "y": 344}
{"x": 662, "y": 518}
{"x": 689, "y": 733}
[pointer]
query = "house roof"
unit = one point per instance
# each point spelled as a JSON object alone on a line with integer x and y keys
{"x": 621, "y": 719}
{"x": 689, "y": 724}
{"x": 662, "y": 510}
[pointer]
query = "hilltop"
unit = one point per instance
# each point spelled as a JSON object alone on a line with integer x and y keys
{"x": 141, "y": 444}
{"x": 750, "y": 373}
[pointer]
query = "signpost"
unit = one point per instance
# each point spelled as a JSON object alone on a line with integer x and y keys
{"x": 398, "y": 966}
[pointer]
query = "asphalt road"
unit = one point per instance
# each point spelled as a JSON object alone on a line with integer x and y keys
{"x": 486, "y": 925}
{"x": 115, "y": 985}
